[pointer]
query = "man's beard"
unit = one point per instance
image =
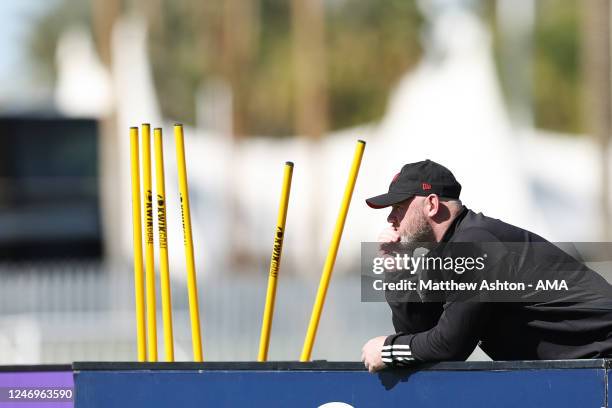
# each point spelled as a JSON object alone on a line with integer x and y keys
{"x": 419, "y": 231}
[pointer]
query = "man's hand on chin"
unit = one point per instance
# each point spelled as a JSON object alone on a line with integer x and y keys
{"x": 371, "y": 354}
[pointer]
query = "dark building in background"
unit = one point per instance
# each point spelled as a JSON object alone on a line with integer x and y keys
{"x": 49, "y": 189}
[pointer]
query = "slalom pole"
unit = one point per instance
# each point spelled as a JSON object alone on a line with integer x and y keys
{"x": 162, "y": 225}
{"x": 331, "y": 254}
{"x": 277, "y": 248}
{"x": 192, "y": 286}
{"x": 147, "y": 186}
{"x": 137, "y": 236}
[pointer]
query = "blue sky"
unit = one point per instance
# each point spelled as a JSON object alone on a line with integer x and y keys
{"x": 17, "y": 19}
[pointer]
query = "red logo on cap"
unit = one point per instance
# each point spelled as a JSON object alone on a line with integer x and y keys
{"x": 426, "y": 186}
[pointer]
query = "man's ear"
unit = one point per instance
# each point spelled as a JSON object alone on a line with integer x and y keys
{"x": 432, "y": 205}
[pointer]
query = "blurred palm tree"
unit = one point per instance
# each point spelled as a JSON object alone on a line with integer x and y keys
{"x": 555, "y": 64}
{"x": 598, "y": 87}
{"x": 558, "y": 66}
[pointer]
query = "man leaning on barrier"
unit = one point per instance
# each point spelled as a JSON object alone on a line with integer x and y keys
{"x": 561, "y": 324}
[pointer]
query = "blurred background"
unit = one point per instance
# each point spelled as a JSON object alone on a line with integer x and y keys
{"x": 514, "y": 96}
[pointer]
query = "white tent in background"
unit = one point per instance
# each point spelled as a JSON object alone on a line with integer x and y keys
{"x": 83, "y": 86}
{"x": 451, "y": 111}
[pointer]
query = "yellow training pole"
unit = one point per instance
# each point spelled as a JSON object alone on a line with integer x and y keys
{"x": 163, "y": 245}
{"x": 331, "y": 255}
{"x": 266, "y": 325}
{"x": 149, "y": 248}
{"x": 137, "y": 233}
{"x": 192, "y": 286}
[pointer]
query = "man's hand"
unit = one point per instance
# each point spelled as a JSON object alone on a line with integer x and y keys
{"x": 388, "y": 239}
{"x": 371, "y": 354}
{"x": 389, "y": 235}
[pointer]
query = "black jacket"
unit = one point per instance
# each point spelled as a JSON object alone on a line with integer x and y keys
{"x": 579, "y": 326}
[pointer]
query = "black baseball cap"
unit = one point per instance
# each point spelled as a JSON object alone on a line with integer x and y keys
{"x": 418, "y": 179}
